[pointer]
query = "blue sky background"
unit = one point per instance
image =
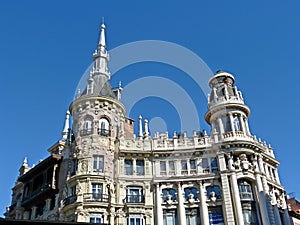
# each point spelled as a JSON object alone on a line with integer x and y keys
{"x": 45, "y": 47}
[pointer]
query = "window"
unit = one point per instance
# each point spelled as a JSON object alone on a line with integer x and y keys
{"x": 140, "y": 167}
{"x": 128, "y": 167}
{"x": 192, "y": 216}
{"x": 213, "y": 191}
{"x": 184, "y": 169}
{"x": 87, "y": 126}
{"x": 135, "y": 219}
{"x": 214, "y": 165}
{"x": 97, "y": 192}
{"x": 245, "y": 190}
{"x": 74, "y": 166}
{"x": 171, "y": 168}
{"x": 226, "y": 124}
{"x": 236, "y": 123}
{"x": 249, "y": 213}
{"x": 193, "y": 166}
{"x": 205, "y": 165}
{"x": 169, "y": 194}
{"x": 98, "y": 163}
{"x": 96, "y": 218}
{"x": 134, "y": 195}
{"x": 104, "y": 127}
{"x": 215, "y": 215}
{"x": 191, "y": 193}
{"x": 163, "y": 168}
{"x": 169, "y": 217}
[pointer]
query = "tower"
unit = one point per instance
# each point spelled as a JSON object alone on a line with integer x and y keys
{"x": 99, "y": 120}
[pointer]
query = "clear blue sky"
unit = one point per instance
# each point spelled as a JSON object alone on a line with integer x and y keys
{"x": 45, "y": 46}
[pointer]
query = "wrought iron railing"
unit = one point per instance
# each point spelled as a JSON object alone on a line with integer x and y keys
{"x": 135, "y": 199}
{"x": 95, "y": 197}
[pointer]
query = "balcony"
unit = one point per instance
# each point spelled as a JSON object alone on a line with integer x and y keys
{"x": 104, "y": 132}
{"x": 70, "y": 200}
{"x": 95, "y": 197}
{"x": 135, "y": 199}
{"x": 86, "y": 132}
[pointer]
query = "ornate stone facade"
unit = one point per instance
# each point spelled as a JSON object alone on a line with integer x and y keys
{"x": 108, "y": 175}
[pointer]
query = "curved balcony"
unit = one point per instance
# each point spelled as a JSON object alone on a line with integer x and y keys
{"x": 70, "y": 200}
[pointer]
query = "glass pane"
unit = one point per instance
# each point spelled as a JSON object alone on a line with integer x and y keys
{"x": 193, "y": 164}
{"x": 163, "y": 166}
{"x": 140, "y": 167}
{"x": 183, "y": 165}
{"x": 171, "y": 166}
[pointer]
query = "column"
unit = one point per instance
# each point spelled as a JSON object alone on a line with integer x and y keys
{"x": 231, "y": 123}
{"x": 266, "y": 189}
{"x": 227, "y": 203}
{"x": 242, "y": 124}
{"x": 133, "y": 166}
{"x": 33, "y": 212}
{"x": 112, "y": 215}
{"x": 221, "y": 127}
{"x": 286, "y": 216}
{"x": 48, "y": 203}
{"x": 236, "y": 200}
{"x": 181, "y": 209}
{"x": 159, "y": 210}
{"x": 203, "y": 206}
{"x": 247, "y": 126}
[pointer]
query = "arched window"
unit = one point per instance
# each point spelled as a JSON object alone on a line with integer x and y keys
{"x": 213, "y": 191}
{"x": 104, "y": 127}
{"x": 226, "y": 123}
{"x": 169, "y": 194}
{"x": 191, "y": 193}
{"x": 87, "y": 126}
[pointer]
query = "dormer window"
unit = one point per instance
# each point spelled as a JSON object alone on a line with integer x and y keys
{"x": 104, "y": 127}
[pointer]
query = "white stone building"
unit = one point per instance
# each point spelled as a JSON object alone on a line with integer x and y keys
{"x": 103, "y": 173}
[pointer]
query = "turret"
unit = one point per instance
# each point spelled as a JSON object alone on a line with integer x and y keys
{"x": 227, "y": 113}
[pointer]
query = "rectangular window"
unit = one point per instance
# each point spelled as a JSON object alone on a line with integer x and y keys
{"x": 214, "y": 165}
{"x": 140, "y": 168}
{"x": 192, "y": 217}
{"x": 134, "y": 195}
{"x": 128, "y": 167}
{"x": 170, "y": 217}
{"x": 205, "y": 166}
{"x": 97, "y": 192}
{"x": 184, "y": 169}
{"x": 96, "y": 218}
{"x": 171, "y": 168}
{"x": 163, "y": 168}
{"x": 135, "y": 219}
{"x": 215, "y": 215}
{"x": 98, "y": 163}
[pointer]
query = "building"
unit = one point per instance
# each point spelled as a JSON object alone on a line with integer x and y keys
{"x": 102, "y": 172}
{"x": 294, "y": 210}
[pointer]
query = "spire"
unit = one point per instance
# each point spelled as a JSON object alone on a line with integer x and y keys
{"x": 102, "y": 34}
{"x": 24, "y": 168}
{"x": 65, "y": 131}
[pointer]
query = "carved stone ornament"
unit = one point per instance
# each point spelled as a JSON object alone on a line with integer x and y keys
{"x": 169, "y": 200}
{"x": 191, "y": 198}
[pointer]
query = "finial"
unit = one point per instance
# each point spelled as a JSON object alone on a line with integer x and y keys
{"x": 120, "y": 84}
{"x": 140, "y": 127}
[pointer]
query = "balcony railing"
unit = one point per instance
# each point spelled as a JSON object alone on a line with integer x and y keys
{"x": 95, "y": 197}
{"x": 86, "y": 132}
{"x": 104, "y": 132}
{"x": 135, "y": 199}
{"x": 70, "y": 200}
